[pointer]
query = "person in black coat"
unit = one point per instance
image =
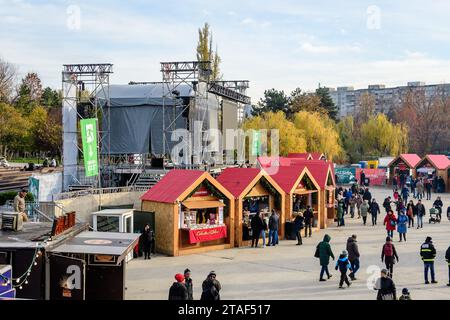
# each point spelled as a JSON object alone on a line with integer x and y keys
{"x": 447, "y": 258}
{"x": 147, "y": 241}
{"x": 298, "y": 224}
{"x": 374, "y": 210}
{"x": 309, "y": 221}
{"x": 257, "y": 225}
{"x": 211, "y": 288}
{"x": 178, "y": 290}
{"x": 386, "y": 287}
{"x": 188, "y": 283}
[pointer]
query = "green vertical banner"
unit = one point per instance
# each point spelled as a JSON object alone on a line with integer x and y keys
{"x": 256, "y": 143}
{"x": 90, "y": 152}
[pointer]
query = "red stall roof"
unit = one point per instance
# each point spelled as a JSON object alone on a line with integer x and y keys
{"x": 236, "y": 180}
{"x": 320, "y": 171}
{"x": 411, "y": 159}
{"x": 286, "y": 177}
{"x": 307, "y": 155}
{"x": 172, "y": 186}
{"x": 438, "y": 161}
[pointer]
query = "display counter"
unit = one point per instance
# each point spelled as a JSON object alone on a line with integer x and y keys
{"x": 205, "y": 233}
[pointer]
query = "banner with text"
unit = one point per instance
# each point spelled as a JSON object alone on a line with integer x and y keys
{"x": 90, "y": 152}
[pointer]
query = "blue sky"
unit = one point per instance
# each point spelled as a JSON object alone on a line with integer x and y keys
{"x": 282, "y": 44}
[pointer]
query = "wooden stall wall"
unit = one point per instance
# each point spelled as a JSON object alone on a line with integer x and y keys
{"x": 164, "y": 218}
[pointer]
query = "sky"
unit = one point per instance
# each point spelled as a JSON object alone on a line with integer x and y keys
{"x": 281, "y": 44}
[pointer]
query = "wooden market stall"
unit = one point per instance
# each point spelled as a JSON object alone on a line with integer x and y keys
{"x": 193, "y": 213}
{"x": 254, "y": 191}
{"x": 301, "y": 190}
{"x": 404, "y": 164}
{"x": 436, "y": 166}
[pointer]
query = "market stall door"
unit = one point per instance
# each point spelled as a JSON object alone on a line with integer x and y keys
{"x": 105, "y": 282}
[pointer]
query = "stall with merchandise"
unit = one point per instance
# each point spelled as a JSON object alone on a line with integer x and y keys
{"x": 301, "y": 190}
{"x": 193, "y": 212}
{"x": 404, "y": 165}
{"x": 436, "y": 167}
{"x": 254, "y": 191}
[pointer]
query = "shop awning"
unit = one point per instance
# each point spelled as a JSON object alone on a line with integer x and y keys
{"x": 299, "y": 191}
{"x": 203, "y": 204}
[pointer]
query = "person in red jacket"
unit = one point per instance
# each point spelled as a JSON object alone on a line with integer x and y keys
{"x": 390, "y": 221}
{"x": 389, "y": 255}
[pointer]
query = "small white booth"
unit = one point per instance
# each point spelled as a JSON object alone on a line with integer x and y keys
{"x": 113, "y": 220}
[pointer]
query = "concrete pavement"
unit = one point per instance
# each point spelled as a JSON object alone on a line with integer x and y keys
{"x": 291, "y": 272}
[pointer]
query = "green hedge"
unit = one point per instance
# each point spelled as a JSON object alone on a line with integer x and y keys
{"x": 5, "y": 196}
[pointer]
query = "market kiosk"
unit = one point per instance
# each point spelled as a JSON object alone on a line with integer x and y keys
{"x": 301, "y": 190}
{"x": 193, "y": 212}
{"x": 254, "y": 191}
{"x": 404, "y": 164}
{"x": 436, "y": 166}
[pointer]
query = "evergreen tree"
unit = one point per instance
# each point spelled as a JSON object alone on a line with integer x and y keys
{"x": 273, "y": 101}
{"x": 327, "y": 103}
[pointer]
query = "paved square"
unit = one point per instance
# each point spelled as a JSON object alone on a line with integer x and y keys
{"x": 291, "y": 272}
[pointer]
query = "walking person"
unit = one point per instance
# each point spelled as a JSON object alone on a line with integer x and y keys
{"x": 402, "y": 228}
{"x": 343, "y": 265}
{"x": 374, "y": 211}
{"x": 178, "y": 290}
{"x": 420, "y": 214}
{"x": 309, "y": 221}
{"x": 211, "y": 288}
{"x": 428, "y": 187}
{"x": 273, "y": 229}
{"x": 352, "y": 204}
{"x": 189, "y": 285}
{"x": 447, "y": 258}
{"x": 324, "y": 252}
{"x": 353, "y": 256}
{"x": 256, "y": 225}
{"x": 438, "y": 205}
{"x": 410, "y": 213}
{"x": 340, "y": 213}
{"x": 367, "y": 195}
{"x": 387, "y": 204}
{"x": 265, "y": 227}
{"x": 390, "y": 221}
{"x": 147, "y": 239}
{"x": 389, "y": 255}
{"x": 405, "y": 195}
{"x": 428, "y": 254}
{"x": 364, "y": 211}
{"x": 359, "y": 202}
{"x": 386, "y": 287}
{"x": 298, "y": 225}
{"x": 413, "y": 187}
{"x": 420, "y": 189}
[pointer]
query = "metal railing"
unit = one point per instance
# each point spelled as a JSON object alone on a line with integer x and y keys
{"x": 95, "y": 191}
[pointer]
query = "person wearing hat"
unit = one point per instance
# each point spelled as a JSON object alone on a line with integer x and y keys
{"x": 19, "y": 203}
{"x": 385, "y": 287}
{"x": 405, "y": 295}
{"x": 211, "y": 288}
{"x": 343, "y": 264}
{"x": 428, "y": 254}
{"x": 178, "y": 290}
{"x": 389, "y": 255}
{"x": 188, "y": 283}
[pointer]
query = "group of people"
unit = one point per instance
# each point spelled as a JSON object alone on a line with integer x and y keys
{"x": 349, "y": 261}
{"x": 259, "y": 227}
{"x": 420, "y": 187}
{"x": 183, "y": 287}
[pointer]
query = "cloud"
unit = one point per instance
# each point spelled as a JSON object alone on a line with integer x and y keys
{"x": 310, "y": 48}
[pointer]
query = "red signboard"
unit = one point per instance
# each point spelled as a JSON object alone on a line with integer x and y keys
{"x": 209, "y": 234}
{"x": 201, "y": 192}
{"x": 377, "y": 176}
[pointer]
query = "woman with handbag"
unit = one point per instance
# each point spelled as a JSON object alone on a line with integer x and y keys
{"x": 390, "y": 221}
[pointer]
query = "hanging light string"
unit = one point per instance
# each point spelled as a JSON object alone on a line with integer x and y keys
{"x": 19, "y": 282}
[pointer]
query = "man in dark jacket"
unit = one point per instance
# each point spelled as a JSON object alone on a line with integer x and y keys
{"x": 211, "y": 288}
{"x": 353, "y": 255}
{"x": 447, "y": 258}
{"x": 147, "y": 241}
{"x": 387, "y": 204}
{"x": 420, "y": 214}
{"x": 325, "y": 252}
{"x": 273, "y": 229}
{"x": 386, "y": 287}
{"x": 428, "y": 254}
{"x": 299, "y": 225}
{"x": 188, "y": 283}
{"x": 257, "y": 225}
{"x": 362, "y": 178}
{"x": 367, "y": 195}
{"x": 309, "y": 221}
{"x": 374, "y": 211}
{"x": 178, "y": 290}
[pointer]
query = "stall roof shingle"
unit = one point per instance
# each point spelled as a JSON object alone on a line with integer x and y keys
{"x": 236, "y": 180}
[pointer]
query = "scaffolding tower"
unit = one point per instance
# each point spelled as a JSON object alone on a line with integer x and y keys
{"x": 81, "y": 86}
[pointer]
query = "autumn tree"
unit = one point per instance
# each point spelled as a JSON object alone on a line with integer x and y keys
{"x": 428, "y": 120}
{"x": 319, "y": 132}
{"x": 205, "y": 51}
{"x": 291, "y": 138}
{"x": 365, "y": 108}
{"x": 13, "y": 129}
{"x": 45, "y": 131}
{"x": 349, "y": 140}
{"x": 381, "y": 137}
{"x": 7, "y": 80}
{"x": 51, "y": 98}
{"x": 29, "y": 93}
{"x": 306, "y": 101}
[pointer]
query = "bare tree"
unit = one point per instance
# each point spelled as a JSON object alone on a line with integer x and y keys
{"x": 8, "y": 74}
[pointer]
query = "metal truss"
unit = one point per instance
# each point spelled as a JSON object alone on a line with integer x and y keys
{"x": 225, "y": 92}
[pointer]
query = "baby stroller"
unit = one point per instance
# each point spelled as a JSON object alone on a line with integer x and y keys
{"x": 434, "y": 216}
